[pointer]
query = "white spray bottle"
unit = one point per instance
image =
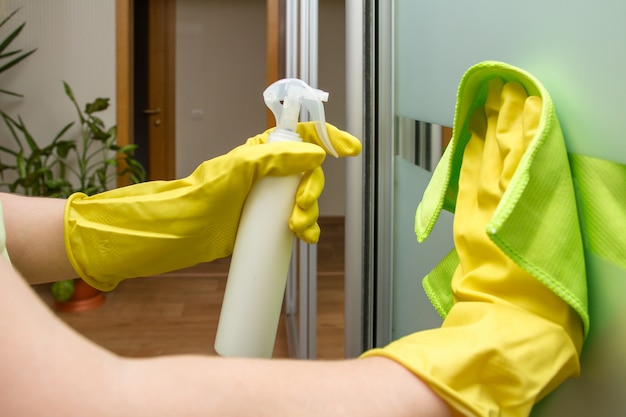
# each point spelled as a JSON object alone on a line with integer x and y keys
{"x": 260, "y": 262}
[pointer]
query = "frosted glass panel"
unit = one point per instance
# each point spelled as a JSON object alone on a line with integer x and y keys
{"x": 576, "y": 48}
{"x": 412, "y": 311}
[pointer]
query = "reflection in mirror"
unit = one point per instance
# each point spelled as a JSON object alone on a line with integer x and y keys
{"x": 421, "y": 143}
{"x": 418, "y": 149}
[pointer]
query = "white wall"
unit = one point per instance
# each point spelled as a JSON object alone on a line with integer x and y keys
{"x": 221, "y": 70}
{"x": 75, "y": 41}
{"x": 332, "y": 78}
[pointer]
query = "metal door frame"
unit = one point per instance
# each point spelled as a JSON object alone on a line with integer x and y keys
{"x": 369, "y": 203}
{"x": 301, "y": 61}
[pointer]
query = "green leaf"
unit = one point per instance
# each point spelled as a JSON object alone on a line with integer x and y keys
{"x": 62, "y": 290}
{"x": 29, "y": 139}
{"x": 11, "y": 93}
{"x": 6, "y": 19}
{"x": 13, "y": 34}
{"x": 21, "y": 165}
{"x": 64, "y": 147}
{"x": 9, "y": 39}
{"x": 68, "y": 91}
{"x": 97, "y": 105}
{"x": 127, "y": 149}
{"x": 7, "y": 150}
{"x": 9, "y": 54}
{"x": 62, "y": 131}
{"x": 16, "y": 61}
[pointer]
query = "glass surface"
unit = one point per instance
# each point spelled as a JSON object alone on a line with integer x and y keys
{"x": 576, "y": 50}
{"x": 412, "y": 311}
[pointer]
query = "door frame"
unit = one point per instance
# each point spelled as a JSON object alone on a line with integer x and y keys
{"x": 123, "y": 78}
{"x": 162, "y": 147}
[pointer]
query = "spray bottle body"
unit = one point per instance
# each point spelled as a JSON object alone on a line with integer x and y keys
{"x": 264, "y": 244}
{"x": 258, "y": 271}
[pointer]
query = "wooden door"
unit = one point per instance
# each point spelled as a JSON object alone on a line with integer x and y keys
{"x": 146, "y": 112}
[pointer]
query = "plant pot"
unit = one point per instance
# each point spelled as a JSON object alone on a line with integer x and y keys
{"x": 85, "y": 297}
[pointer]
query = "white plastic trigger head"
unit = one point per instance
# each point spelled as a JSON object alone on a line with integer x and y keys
{"x": 292, "y": 90}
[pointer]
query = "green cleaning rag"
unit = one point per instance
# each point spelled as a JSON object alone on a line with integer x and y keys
{"x": 537, "y": 215}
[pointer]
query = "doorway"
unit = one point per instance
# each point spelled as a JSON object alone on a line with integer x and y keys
{"x": 146, "y": 71}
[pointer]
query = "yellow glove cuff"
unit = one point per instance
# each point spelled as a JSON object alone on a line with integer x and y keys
{"x": 491, "y": 359}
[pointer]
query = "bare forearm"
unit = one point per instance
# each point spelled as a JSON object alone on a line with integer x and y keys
{"x": 71, "y": 376}
{"x": 34, "y": 233}
{"x": 194, "y": 386}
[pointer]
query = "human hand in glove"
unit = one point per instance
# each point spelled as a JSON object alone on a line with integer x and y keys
{"x": 160, "y": 226}
{"x": 508, "y": 339}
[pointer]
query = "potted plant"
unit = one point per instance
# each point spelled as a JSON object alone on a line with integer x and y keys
{"x": 62, "y": 166}
{"x": 88, "y": 163}
{"x": 99, "y": 160}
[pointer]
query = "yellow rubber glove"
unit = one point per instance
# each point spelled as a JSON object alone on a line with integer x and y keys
{"x": 508, "y": 340}
{"x": 160, "y": 226}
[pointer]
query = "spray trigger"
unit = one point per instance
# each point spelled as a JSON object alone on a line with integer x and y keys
{"x": 285, "y": 98}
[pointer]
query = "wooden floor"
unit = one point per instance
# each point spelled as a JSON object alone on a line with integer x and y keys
{"x": 177, "y": 313}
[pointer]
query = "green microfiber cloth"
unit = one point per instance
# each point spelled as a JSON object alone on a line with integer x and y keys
{"x": 601, "y": 191}
{"x": 536, "y": 223}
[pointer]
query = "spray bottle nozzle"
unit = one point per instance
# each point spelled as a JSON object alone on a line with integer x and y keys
{"x": 285, "y": 98}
